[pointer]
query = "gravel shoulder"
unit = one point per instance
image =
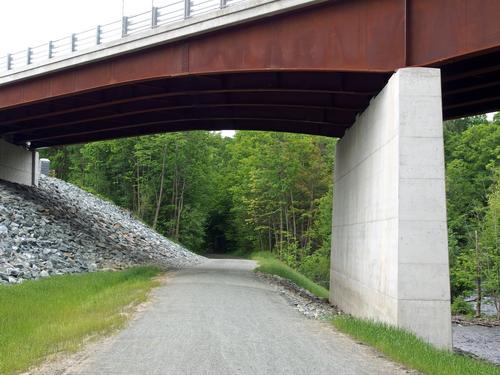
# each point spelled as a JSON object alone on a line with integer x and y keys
{"x": 222, "y": 318}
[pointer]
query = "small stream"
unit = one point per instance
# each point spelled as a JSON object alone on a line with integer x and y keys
{"x": 481, "y": 341}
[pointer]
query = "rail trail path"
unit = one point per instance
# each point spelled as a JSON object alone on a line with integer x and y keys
{"x": 219, "y": 318}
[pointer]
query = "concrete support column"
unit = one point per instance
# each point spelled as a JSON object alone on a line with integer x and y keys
{"x": 18, "y": 164}
{"x": 389, "y": 244}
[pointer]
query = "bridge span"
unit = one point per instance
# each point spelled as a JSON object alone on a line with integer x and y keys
{"x": 380, "y": 75}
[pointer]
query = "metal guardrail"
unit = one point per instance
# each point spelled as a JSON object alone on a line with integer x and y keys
{"x": 175, "y": 11}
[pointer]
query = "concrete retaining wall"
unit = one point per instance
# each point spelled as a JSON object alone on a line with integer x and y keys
{"x": 18, "y": 165}
{"x": 389, "y": 246}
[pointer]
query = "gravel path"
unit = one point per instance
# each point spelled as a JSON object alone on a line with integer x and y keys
{"x": 220, "y": 318}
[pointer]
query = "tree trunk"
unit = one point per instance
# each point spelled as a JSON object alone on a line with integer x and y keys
{"x": 478, "y": 277}
{"x": 309, "y": 218}
{"x": 294, "y": 224}
{"x": 281, "y": 232}
{"x": 138, "y": 176}
{"x": 174, "y": 200}
{"x": 287, "y": 224}
{"x": 179, "y": 210}
{"x": 160, "y": 193}
{"x": 270, "y": 236}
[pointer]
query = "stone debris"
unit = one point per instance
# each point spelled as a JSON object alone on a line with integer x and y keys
{"x": 304, "y": 301}
{"x": 58, "y": 228}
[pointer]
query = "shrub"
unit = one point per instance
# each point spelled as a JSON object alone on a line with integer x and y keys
{"x": 461, "y": 307}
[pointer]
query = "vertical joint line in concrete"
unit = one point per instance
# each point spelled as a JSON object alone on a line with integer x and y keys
{"x": 33, "y": 167}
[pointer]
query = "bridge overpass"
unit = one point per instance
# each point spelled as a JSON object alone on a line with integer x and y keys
{"x": 380, "y": 75}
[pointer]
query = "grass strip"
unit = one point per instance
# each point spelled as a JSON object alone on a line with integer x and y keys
{"x": 48, "y": 316}
{"x": 269, "y": 264}
{"x": 409, "y": 350}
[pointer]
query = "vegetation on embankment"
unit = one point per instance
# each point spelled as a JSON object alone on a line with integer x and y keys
{"x": 48, "y": 316}
{"x": 407, "y": 349}
{"x": 269, "y": 264}
{"x": 397, "y": 344}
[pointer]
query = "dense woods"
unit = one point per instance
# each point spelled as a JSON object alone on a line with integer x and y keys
{"x": 256, "y": 191}
{"x": 472, "y": 152}
{"x": 273, "y": 192}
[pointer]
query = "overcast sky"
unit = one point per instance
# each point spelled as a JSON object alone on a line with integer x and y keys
{"x": 28, "y": 23}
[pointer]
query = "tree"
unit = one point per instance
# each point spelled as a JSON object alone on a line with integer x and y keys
{"x": 491, "y": 244}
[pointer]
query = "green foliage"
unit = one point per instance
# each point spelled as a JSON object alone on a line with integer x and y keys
{"x": 166, "y": 180}
{"x": 266, "y": 191}
{"x": 461, "y": 307}
{"x": 269, "y": 264}
{"x": 490, "y": 242}
{"x": 317, "y": 267}
{"x": 281, "y": 187}
{"x": 404, "y": 347}
{"x": 48, "y": 316}
{"x": 472, "y": 162}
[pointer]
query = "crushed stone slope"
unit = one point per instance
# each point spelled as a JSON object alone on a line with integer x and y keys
{"x": 58, "y": 228}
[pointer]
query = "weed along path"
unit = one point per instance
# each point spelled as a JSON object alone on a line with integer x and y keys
{"x": 219, "y": 318}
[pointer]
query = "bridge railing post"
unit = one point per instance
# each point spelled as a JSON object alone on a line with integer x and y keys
{"x": 98, "y": 35}
{"x": 187, "y": 8}
{"x": 28, "y": 56}
{"x": 223, "y": 3}
{"x": 124, "y": 26}
{"x": 73, "y": 42}
{"x": 50, "y": 49}
{"x": 9, "y": 61}
{"x": 154, "y": 17}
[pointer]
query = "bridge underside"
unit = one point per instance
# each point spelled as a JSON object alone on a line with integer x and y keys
{"x": 312, "y": 102}
{"x": 303, "y": 102}
{"x": 308, "y": 70}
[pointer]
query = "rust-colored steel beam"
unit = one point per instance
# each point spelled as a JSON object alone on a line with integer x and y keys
{"x": 446, "y": 30}
{"x": 315, "y": 128}
{"x": 323, "y": 63}
{"x": 362, "y": 36}
{"x": 346, "y": 113}
{"x": 193, "y": 113}
{"x": 77, "y": 111}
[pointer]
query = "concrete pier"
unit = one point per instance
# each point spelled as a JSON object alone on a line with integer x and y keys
{"x": 389, "y": 240}
{"x": 18, "y": 164}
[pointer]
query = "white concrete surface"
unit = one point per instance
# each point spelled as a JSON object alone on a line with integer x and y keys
{"x": 389, "y": 243}
{"x": 16, "y": 164}
{"x": 235, "y": 14}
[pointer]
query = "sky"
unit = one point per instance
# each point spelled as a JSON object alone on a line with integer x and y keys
{"x": 29, "y": 23}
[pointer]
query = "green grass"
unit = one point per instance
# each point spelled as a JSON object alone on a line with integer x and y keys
{"x": 406, "y": 348}
{"x": 269, "y": 264}
{"x": 44, "y": 317}
{"x": 397, "y": 344}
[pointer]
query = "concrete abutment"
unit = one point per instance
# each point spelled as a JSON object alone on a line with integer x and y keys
{"x": 389, "y": 240}
{"x": 18, "y": 164}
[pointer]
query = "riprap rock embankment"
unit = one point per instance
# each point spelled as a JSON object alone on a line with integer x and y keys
{"x": 58, "y": 228}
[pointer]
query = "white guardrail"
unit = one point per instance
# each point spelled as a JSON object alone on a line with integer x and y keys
{"x": 175, "y": 11}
